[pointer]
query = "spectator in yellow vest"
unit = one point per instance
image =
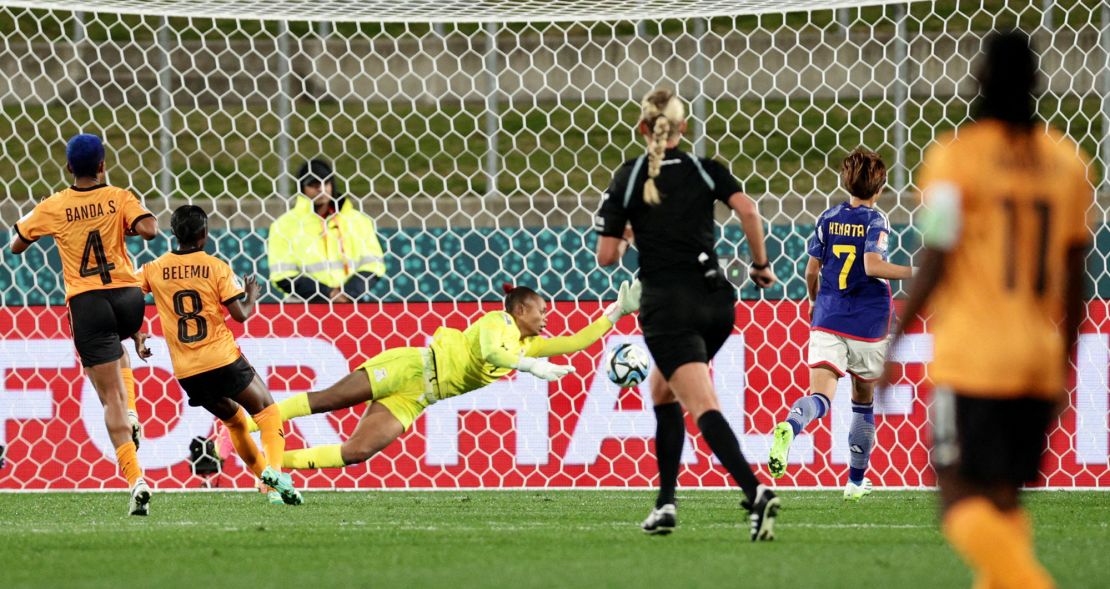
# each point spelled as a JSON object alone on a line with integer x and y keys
{"x": 324, "y": 249}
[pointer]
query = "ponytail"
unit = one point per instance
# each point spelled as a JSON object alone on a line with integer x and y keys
{"x": 662, "y": 114}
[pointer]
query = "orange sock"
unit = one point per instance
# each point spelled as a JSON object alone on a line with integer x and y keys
{"x": 987, "y": 540}
{"x": 273, "y": 435}
{"x": 129, "y": 386}
{"x": 128, "y": 462}
{"x": 244, "y": 445}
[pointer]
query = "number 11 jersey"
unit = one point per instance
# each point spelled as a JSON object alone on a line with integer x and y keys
{"x": 88, "y": 225}
{"x": 849, "y": 302}
{"x": 190, "y": 290}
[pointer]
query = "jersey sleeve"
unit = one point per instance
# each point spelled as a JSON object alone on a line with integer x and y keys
{"x": 144, "y": 281}
{"x": 541, "y": 347}
{"x": 724, "y": 183}
{"x": 878, "y": 236}
{"x": 133, "y": 210}
{"x": 816, "y": 245}
{"x": 228, "y": 285}
{"x": 38, "y": 223}
{"x": 612, "y": 216}
{"x": 495, "y": 331}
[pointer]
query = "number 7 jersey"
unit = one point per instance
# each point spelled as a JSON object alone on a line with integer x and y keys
{"x": 849, "y": 302}
{"x": 190, "y": 290}
{"x": 89, "y": 226}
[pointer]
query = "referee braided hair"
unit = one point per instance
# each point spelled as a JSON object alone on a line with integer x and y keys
{"x": 661, "y": 115}
{"x": 188, "y": 223}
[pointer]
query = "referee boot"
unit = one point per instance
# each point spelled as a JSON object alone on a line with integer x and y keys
{"x": 660, "y": 522}
{"x": 762, "y": 513}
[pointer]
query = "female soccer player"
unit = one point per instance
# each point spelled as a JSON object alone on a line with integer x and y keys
{"x": 88, "y": 221}
{"x": 399, "y": 384}
{"x": 846, "y": 278}
{"x": 191, "y": 289}
{"x": 689, "y": 307}
{"x": 1006, "y": 234}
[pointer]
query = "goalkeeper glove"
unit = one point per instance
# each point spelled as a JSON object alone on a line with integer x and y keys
{"x": 542, "y": 368}
{"x": 628, "y": 301}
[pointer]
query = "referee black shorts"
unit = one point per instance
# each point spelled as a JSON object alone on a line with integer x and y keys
{"x": 990, "y": 441}
{"x": 219, "y": 383}
{"x": 686, "y": 321}
{"x": 101, "y": 319}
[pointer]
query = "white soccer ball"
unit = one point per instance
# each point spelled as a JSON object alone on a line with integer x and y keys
{"x": 627, "y": 365}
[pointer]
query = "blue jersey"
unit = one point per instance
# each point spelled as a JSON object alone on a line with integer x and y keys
{"x": 849, "y": 302}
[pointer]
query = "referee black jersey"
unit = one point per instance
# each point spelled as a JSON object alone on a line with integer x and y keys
{"x": 677, "y": 236}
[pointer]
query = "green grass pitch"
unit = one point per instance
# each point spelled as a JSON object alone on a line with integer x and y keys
{"x": 462, "y": 539}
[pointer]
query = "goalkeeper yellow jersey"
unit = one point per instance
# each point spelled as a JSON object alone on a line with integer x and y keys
{"x": 483, "y": 353}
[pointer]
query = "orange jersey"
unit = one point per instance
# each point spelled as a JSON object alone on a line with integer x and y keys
{"x": 997, "y": 311}
{"x": 190, "y": 290}
{"x": 88, "y": 225}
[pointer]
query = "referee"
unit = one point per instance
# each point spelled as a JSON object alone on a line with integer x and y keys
{"x": 688, "y": 306}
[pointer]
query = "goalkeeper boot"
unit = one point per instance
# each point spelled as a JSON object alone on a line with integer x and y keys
{"x": 140, "y": 498}
{"x": 780, "y": 449}
{"x": 283, "y": 484}
{"x": 854, "y": 492}
{"x": 762, "y": 514}
{"x": 136, "y": 428}
{"x": 660, "y": 521}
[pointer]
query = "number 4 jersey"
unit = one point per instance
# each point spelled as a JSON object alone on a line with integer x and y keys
{"x": 190, "y": 290}
{"x": 849, "y": 302}
{"x": 89, "y": 225}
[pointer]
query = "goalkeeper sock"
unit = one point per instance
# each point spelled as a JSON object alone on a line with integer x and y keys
{"x": 273, "y": 435}
{"x": 128, "y": 460}
{"x": 985, "y": 538}
{"x": 807, "y": 409}
{"x": 670, "y": 435}
{"x": 718, "y": 434}
{"x": 128, "y": 377}
{"x": 244, "y": 445}
{"x": 295, "y": 406}
{"x": 318, "y": 457}
{"x": 861, "y": 438}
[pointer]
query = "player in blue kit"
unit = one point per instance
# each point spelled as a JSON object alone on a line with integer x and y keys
{"x": 847, "y": 278}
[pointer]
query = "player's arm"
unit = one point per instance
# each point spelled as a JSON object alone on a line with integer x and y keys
{"x": 242, "y": 306}
{"x": 813, "y": 277}
{"x": 145, "y": 227}
{"x": 137, "y": 220}
{"x": 30, "y": 228}
{"x": 876, "y": 267}
{"x": 493, "y": 339}
{"x": 1075, "y": 277}
{"x": 611, "y": 249}
{"x": 628, "y": 302}
{"x": 611, "y": 222}
{"x": 751, "y": 222}
{"x": 941, "y": 224}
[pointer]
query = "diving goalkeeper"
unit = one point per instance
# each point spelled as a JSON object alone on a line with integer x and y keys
{"x": 399, "y": 384}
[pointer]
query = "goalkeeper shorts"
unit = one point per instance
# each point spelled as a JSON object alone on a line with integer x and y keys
{"x": 404, "y": 381}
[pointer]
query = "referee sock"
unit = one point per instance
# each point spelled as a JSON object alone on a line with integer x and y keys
{"x": 273, "y": 435}
{"x": 318, "y": 457}
{"x": 718, "y": 434}
{"x": 987, "y": 540}
{"x": 128, "y": 377}
{"x": 244, "y": 445}
{"x": 861, "y": 438}
{"x": 670, "y": 435}
{"x": 807, "y": 409}
{"x": 128, "y": 460}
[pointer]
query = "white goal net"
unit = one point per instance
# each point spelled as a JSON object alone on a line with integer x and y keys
{"x": 478, "y": 137}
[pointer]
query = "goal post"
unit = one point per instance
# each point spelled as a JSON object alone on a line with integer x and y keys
{"x": 479, "y": 137}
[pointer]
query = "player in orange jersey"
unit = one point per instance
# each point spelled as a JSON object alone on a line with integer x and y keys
{"x": 88, "y": 221}
{"x": 191, "y": 289}
{"x": 1006, "y": 232}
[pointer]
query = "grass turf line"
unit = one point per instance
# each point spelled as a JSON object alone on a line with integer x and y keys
{"x": 519, "y": 538}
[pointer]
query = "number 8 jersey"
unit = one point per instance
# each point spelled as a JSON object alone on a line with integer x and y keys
{"x": 190, "y": 289}
{"x": 89, "y": 225}
{"x": 849, "y": 302}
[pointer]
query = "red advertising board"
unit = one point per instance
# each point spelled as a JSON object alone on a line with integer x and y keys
{"x": 579, "y": 432}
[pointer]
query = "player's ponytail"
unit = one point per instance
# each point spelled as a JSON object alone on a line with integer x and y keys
{"x": 863, "y": 173}
{"x": 661, "y": 118}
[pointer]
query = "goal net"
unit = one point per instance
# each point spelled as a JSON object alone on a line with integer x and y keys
{"x": 479, "y": 136}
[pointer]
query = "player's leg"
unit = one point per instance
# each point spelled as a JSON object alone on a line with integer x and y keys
{"x": 96, "y": 337}
{"x": 866, "y": 361}
{"x": 128, "y": 305}
{"x": 670, "y": 435}
{"x": 129, "y": 386}
{"x": 376, "y": 430}
{"x": 234, "y": 417}
{"x": 983, "y": 450}
{"x": 828, "y": 360}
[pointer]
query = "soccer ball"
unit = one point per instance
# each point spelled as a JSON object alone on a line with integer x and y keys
{"x": 627, "y": 365}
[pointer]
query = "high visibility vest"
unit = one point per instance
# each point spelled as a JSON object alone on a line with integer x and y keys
{"x": 327, "y": 250}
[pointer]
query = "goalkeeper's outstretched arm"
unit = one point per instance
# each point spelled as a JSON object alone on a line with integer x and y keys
{"x": 628, "y": 301}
